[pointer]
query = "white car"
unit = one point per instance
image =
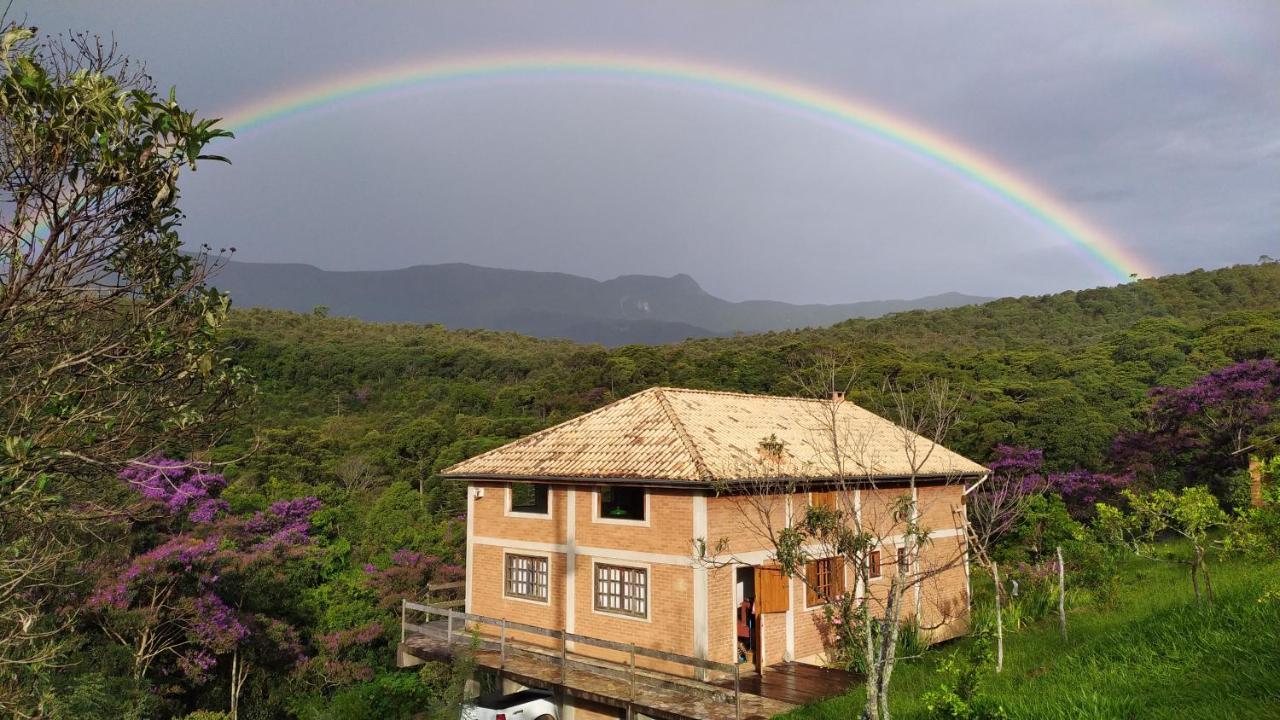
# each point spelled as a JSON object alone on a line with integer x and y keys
{"x": 523, "y": 705}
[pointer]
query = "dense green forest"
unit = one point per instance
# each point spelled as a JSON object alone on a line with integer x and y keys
{"x": 1061, "y": 372}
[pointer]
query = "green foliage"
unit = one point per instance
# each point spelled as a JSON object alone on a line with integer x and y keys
{"x": 389, "y": 696}
{"x": 1153, "y": 654}
{"x": 960, "y": 696}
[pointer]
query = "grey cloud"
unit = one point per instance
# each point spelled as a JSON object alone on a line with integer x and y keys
{"x": 1156, "y": 121}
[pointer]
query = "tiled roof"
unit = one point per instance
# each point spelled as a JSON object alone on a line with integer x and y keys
{"x": 674, "y": 434}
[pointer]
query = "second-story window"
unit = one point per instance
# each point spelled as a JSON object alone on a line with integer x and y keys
{"x": 622, "y": 503}
{"x": 526, "y": 577}
{"x": 530, "y": 499}
{"x": 873, "y": 563}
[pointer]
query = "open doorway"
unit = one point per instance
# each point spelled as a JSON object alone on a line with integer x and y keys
{"x": 745, "y": 618}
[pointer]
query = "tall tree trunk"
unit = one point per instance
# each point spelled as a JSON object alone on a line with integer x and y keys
{"x": 1204, "y": 570}
{"x": 1062, "y": 597}
{"x": 995, "y": 577}
{"x": 1195, "y": 578}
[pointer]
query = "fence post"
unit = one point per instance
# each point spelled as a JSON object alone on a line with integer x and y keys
{"x": 633, "y": 671}
{"x": 737, "y": 692}
{"x": 1062, "y": 597}
{"x": 403, "y": 616}
{"x": 503, "y": 647}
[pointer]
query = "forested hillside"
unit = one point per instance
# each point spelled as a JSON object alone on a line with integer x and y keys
{"x": 1063, "y": 372}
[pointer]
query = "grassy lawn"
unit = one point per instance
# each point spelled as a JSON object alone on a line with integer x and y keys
{"x": 1153, "y": 654}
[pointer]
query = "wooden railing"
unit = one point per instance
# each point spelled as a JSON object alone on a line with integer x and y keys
{"x": 457, "y": 631}
{"x": 456, "y": 589}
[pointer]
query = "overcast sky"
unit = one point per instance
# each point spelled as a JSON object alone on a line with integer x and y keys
{"x": 1158, "y": 121}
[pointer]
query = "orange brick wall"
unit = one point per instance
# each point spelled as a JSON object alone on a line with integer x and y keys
{"x": 940, "y": 505}
{"x": 491, "y": 519}
{"x": 669, "y": 530}
{"x": 488, "y": 598}
{"x": 669, "y": 627}
{"x": 722, "y": 631}
{"x": 741, "y": 522}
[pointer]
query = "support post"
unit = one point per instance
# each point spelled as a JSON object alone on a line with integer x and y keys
{"x": 502, "y": 647}
{"x": 448, "y": 634}
{"x": 403, "y": 615}
{"x": 564, "y": 660}
{"x": 633, "y": 671}
{"x": 737, "y": 692}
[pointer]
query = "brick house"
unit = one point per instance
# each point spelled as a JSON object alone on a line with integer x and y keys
{"x": 591, "y": 526}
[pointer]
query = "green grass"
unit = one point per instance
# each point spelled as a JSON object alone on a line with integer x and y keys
{"x": 1152, "y": 654}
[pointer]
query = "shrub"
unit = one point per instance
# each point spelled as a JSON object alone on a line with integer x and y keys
{"x": 960, "y": 695}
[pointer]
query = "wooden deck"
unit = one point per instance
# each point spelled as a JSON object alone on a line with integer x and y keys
{"x": 619, "y": 684}
{"x": 798, "y": 683}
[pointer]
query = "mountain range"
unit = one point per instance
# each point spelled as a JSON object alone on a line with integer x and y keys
{"x": 627, "y": 309}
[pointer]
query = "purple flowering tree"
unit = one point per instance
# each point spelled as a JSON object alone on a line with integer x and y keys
{"x": 1204, "y": 432}
{"x": 997, "y": 505}
{"x": 183, "y": 606}
{"x": 407, "y": 576}
{"x": 1082, "y": 490}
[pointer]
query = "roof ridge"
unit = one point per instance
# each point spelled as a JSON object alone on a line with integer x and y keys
{"x": 735, "y": 393}
{"x": 704, "y": 472}
{"x": 544, "y": 431}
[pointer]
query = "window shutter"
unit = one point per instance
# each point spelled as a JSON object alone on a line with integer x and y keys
{"x": 824, "y": 499}
{"x": 837, "y": 576}
{"x": 771, "y": 590}
{"x": 811, "y": 597}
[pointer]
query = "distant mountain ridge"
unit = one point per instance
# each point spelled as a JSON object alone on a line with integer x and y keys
{"x": 627, "y": 309}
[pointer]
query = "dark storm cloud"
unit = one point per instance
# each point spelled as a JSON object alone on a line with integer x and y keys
{"x": 1156, "y": 120}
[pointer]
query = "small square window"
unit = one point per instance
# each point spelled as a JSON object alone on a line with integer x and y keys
{"x": 530, "y": 499}
{"x": 622, "y": 503}
{"x": 526, "y": 577}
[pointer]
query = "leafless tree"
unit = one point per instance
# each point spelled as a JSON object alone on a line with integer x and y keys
{"x": 994, "y": 508}
{"x": 865, "y": 480}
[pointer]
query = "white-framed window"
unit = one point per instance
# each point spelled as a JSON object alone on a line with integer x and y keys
{"x": 526, "y": 577}
{"x": 528, "y": 500}
{"x": 621, "y": 590}
{"x": 623, "y": 504}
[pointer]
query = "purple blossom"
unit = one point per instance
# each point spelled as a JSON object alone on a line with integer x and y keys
{"x": 284, "y": 523}
{"x": 215, "y": 625}
{"x": 175, "y": 484}
{"x": 1081, "y": 490}
{"x": 207, "y": 509}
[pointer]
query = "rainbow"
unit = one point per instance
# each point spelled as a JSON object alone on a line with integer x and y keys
{"x": 966, "y": 163}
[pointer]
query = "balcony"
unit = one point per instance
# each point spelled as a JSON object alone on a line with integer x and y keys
{"x": 640, "y": 680}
